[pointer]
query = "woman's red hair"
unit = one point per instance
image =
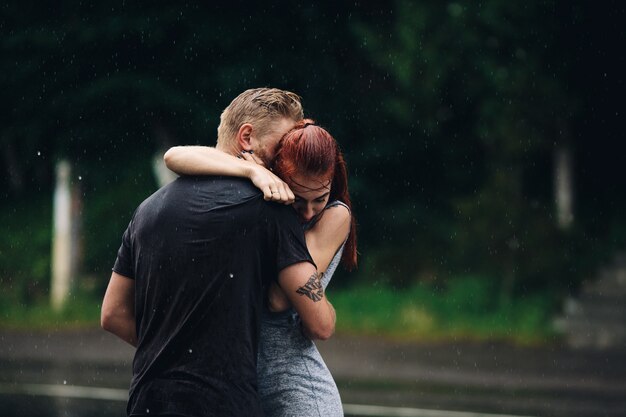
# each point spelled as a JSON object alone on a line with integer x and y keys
{"x": 309, "y": 150}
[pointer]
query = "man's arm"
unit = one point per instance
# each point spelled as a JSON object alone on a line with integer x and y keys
{"x": 118, "y": 308}
{"x": 302, "y": 286}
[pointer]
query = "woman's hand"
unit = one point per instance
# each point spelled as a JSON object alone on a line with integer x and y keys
{"x": 277, "y": 299}
{"x": 273, "y": 188}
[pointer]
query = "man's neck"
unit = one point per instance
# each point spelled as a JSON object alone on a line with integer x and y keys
{"x": 231, "y": 150}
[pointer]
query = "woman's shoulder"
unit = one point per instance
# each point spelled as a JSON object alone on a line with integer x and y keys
{"x": 335, "y": 220}
{"x": 337, "y": 203}
{"x": 336, "y": 212}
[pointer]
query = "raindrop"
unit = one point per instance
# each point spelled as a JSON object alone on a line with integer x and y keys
{"x": 190, "y": 351}
{"x": 64, "y": 382}
{"x": 38, "y": 153}
{"x": 80, "y": 178}
{"x": 231, "y": 275}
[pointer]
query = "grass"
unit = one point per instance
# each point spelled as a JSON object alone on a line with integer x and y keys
{"x": 468, "y": 309}
{"x": 82, "y": 310}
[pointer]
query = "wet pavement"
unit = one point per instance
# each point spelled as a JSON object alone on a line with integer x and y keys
{"x": 86, "y": 372}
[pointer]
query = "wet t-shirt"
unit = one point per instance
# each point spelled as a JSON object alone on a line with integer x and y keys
{"x": 202, "y": 251}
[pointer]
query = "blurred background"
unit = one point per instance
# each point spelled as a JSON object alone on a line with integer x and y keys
{"x": 482, "y": 140}
{"x": 456, "y": 119}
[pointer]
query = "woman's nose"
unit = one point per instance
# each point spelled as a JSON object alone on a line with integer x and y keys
{"x": 307, "y": 213}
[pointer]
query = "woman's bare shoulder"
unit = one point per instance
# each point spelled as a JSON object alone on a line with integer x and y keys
{"x": 335, "y": 221}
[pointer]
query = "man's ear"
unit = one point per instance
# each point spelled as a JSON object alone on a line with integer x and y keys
{"x": 244, "y": 136}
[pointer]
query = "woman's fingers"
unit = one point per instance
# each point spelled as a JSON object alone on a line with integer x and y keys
{"x": 291, "y": 197}
{"x": 273, "y": 188}
{"x": 249, "y": 156}
{"x": 286, "y": 194}
{"x": 282, "y": 189}
{"x": 279, "y": 191}
{"x": 274, "y": 193}
{"x": 267, "y": 193}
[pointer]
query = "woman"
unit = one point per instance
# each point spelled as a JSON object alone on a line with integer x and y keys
{"x": 293, "y": 378}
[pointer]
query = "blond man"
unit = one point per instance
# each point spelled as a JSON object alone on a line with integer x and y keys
{"x": 191, "y": 275}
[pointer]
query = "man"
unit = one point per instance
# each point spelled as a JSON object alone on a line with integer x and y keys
{"x": 191, "y": 275}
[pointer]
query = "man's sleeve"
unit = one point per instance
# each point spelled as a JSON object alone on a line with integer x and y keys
{"x": 291, "y": 245}
{"x": 124, "y": 262}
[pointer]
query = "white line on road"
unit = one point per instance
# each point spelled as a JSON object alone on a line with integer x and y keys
{"x": 69, "y": 391}
{"x": 114, "y": 394}
{"x": 380, "y": 411}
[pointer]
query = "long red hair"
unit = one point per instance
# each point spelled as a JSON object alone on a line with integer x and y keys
{"x": 309, "y": 150}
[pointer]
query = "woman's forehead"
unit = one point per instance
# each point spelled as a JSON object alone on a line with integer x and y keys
{"x": 309, "y": 184}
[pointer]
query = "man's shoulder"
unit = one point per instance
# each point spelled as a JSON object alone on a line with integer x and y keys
{"x": 220, "y": 188}
{"x": 215, "y": 181}
{"x": 284, "y": 214}
{"x": 183, "y": 194}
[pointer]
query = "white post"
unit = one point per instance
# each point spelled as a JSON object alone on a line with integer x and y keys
{"x": 162, "y": 174}
{"x": 62, "y": 238}
{"x": 563, "y": 187}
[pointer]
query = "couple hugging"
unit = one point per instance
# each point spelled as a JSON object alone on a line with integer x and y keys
{"x": 219, "y": 280}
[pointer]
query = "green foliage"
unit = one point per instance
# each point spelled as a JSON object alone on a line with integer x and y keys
{"x": 82, "y": 310}
{"x": 25, "y": 248}
{"x": 448, "y": 114}
{"x": 480, "y": 90}
{"x": 466, "y": 308}
{"x": 25, "y": 244}
{"x": 106, "y": 215}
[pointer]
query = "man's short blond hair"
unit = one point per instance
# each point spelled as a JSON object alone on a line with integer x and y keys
{"x": 259, "y": 107}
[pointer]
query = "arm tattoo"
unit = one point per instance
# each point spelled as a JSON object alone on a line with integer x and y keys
{"x": 313, "y": 288}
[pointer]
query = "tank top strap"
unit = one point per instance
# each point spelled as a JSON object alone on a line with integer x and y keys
{"x": 336, "y": 203}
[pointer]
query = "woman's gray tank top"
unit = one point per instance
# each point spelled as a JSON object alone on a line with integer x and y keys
{"x": 293, "y": 378}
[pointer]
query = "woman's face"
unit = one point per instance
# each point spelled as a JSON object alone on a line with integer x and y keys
{"x": 312, "y": 194}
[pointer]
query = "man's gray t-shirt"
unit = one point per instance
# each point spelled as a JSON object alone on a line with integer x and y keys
{"x": 202, "y": 251}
